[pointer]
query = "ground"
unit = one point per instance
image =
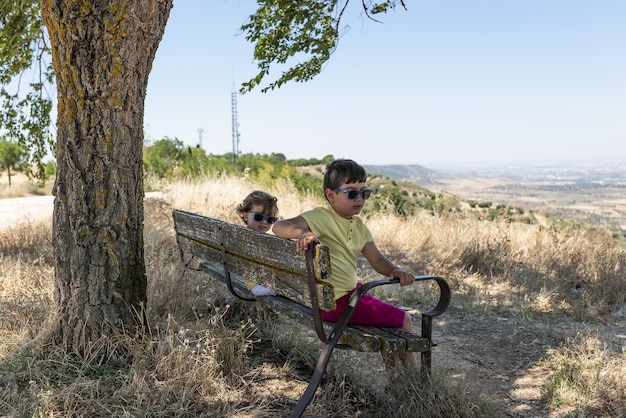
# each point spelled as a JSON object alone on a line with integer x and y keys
{"x": 497, "y": 357}
{"x": 501, "y": 357}
{"x": 494, "y": 357}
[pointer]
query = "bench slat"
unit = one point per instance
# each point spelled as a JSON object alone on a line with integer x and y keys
{"x": 262, "y": 248}
{"x": 261, "y": 258}
{"x": 356, "y": 337}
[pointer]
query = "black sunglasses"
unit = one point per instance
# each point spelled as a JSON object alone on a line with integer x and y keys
{"x": 352, "y": 193}
{"x": 258, "y": 217}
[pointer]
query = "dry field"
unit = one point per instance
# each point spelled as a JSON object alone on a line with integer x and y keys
{"x": 536, "y": 326}
{"x": 604, "y": 205}
{"x": 21, "y": 187}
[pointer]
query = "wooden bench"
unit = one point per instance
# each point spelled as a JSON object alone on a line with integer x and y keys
{"x": 229, "y": 253}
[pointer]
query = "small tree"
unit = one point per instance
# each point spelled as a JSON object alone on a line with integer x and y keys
{"x": 12, "y": 156}
{"x": 25, "y": 115}
{"x": 163, "y": 156}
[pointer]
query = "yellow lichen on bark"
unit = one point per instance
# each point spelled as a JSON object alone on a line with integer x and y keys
{"x": 115, "y": 25}
{"x": 101, "y": 198}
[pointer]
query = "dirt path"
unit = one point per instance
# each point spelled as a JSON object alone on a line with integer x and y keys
{"x": 496, "y": 357}
{"x": 499, "y": 357}
{"x": 36, "y": 208}
{"x": 23, "y": 209}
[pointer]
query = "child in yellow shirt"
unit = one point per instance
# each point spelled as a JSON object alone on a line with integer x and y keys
{"x": 339, "y": 227}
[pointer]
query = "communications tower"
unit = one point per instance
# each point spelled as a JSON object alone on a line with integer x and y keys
{"x": 235, "y": 127}
{"x": 200, "y": 130}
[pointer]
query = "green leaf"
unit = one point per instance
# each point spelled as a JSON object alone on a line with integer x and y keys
{"x": 302, "y": 31}
{"x": 283, "y": 30}
{"x": 25, "y": 118}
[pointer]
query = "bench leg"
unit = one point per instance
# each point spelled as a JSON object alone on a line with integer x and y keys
{"x": 322, "y": 362}
{"x": 306, "y": 397}
{"x": 427, "y": 332}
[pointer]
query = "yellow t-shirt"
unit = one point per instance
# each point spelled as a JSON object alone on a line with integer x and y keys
{"x": 345, "y": 239}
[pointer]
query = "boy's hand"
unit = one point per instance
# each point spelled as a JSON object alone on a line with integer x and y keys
{"x": 304, "y": 240}
{"x": 405, "y": 277}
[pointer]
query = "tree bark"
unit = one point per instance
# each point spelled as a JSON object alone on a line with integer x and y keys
{"x": 102, "y": 53}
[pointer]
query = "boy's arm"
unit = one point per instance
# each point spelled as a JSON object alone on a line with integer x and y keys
{"x": 383, "y": 265}
{"x": 295, "y": 228}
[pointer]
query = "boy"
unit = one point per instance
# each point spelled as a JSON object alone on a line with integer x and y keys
{"x": 346, "y": 236}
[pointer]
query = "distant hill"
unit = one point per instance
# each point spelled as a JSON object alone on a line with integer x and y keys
{"x": 414, "y": 173}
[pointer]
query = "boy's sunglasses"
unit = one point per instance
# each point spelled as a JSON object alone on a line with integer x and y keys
{"x": 258, "y": 217}
{"x": 352, "y": 193}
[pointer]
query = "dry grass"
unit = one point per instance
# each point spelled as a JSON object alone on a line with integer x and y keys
{"x": 21, "y": 187}
{"x": 588, "y": 379}
{"x": 207, "y": 355}
{"x": 577, "y": 272}
{"x": 218, "y": 197}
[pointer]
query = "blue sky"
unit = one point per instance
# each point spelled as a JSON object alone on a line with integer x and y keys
{"x": 445, "y": 82}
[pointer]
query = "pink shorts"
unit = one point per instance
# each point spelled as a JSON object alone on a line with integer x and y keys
{"x": 369, "y": 311}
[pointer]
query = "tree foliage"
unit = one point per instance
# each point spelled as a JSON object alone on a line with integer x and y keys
{"x": 162, "y": 157}
{"x": 285, "y": 30}
{"x": 26, "y": 106}
{"x": 12, "y": 156}
{"x": 168, "y": 158}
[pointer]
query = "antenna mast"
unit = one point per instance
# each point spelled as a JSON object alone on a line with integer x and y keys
{"x": 200, "y": 130}
{"x": 235, "y": 127}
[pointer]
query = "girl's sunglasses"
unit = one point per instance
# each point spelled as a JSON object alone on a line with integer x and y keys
{"x": 352, "y": 193}
{"x": 258, "y": 217}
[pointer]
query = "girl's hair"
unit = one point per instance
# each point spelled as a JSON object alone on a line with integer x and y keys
{"x": 258, "y": 197}
{"x": 343, "y": 171}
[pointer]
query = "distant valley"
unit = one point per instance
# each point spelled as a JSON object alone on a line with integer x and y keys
{"x": 592, "y": 192}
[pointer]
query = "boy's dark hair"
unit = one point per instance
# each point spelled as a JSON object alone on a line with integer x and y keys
{"x": 343, "y": 171}
{"x": 258, "y": 197}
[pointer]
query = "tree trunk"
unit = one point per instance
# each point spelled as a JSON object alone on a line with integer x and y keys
{"x": 102, "y": 52}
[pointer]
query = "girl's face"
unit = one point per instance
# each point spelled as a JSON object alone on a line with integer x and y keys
{"x": 259, "y": 219}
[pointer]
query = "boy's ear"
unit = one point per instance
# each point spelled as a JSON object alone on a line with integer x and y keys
{"x": 329, "y": 194}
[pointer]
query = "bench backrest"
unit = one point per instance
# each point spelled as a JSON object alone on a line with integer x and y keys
{"x": 263, "y": 258}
